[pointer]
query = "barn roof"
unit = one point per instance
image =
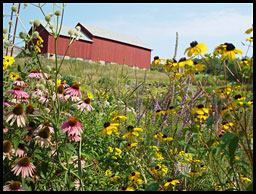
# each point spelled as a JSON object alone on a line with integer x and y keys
{"x": 103, "y": 33}
{"x": 64, "y": 31}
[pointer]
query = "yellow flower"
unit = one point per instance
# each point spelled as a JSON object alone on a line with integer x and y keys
{"x": 134, "y": 175}
{"x": 136, "y": 181}
{"x": 109, "y": 128}
{"x": 125, "y": 188}
{"x": 175, "y": 76}
{"x": 89, "y": 95}
{"x": 58, "y": 81}
{"x": 132, "y": 132}
{"x": 199, "y": 67}
{"x": 5, "y": 66}
{"x": 195, "y": 49}
{"x": 193, "y": 173}
{"x": 170, "y": 65}
{"x": 160, "y": 169}
{"x": 225, "y": 109}
{"x": 202, "y": 167}
{"x": 201, "y": 118}
{"x": 8, "y": 60}
{"x": 108, "y": 172}
{"x": 154, "y": 148}
{"x": 223, "y": 91}
{"x": 248, "y": 31}
{"x": 200, "y": 110}
{"x": 159, "y": 156}
{"x": 170, "y": 181}
{"x": 219, "y": 50}
{"x": 14, "y": 76}
{"x": 173, "y": 110}
{"x": 110, "y": 149}
{"x": 196, "y": 161}
{"x": 38, "y": 50}
{"x": 158, "y": 113}
{"x": 226, "y": 125}
{"x": 4, "y": 37}
{"x": 158, "y": 135}
{"x": 130, "y": 146}
{"x": 249, "y": 39}
{"x": 113, "y": 177}
{"x": 244, "y": 62}
{"x": 157, "y": 61}
{"x": 244, "y": 178}
{"x": 118, "y": 118}
{"x": 183, "y": 61}
{"x": 231, "y": 52}
{"x": 165, "y": 138}
{"x": 238, "y": 97}
{"x": 118, "y": 152}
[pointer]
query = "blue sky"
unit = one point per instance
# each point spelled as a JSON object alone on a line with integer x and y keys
{"x": 156, "y": 24}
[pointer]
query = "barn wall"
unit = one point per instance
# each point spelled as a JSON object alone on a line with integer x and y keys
{"x": 78, "y": 49}
{"x": 112, "y": 51}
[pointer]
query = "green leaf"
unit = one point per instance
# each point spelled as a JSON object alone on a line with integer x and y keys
{"x": 232, "y": 148}
{"x": 152, "y": 186}
{"x": 225, "y": 140}
{"x": 250, "y": 187}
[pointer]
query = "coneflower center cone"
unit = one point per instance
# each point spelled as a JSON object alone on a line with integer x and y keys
{"x": 75, "y": 86}
{"x": 18, "y": 109}
{"x": 44, "y": 132}
{"x": 15, "y": 185}
{"x": 87, "y": 100}
{"x": 72, "y": 122}
{"x": 24, "y": 161}
{"x": 7, "y": 146}
{"x": 29, "y": 109}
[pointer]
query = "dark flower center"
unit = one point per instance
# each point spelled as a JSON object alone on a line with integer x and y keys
{"x": 124, "y": 187}
{"x": 200, "y": 106}
{"x": 29, "y": 109}
{"x": 193, "y": 44}
{"x": 182, "y": 59}
{"x": 158, "y": 111}
{"x": 169, "y": 180}
{"x": 87, "y": 100}
{"x": 157, "y": 167}
{"x": 130, "y": 128}
{"x": 44, "y": 132}
{"x": 60, "y": 89}
{"x": 133, "y": 173}
{"x": 47, "y": 123}
{"x": 72, "y": 122}
{"x": 32, "y": 124}
{"x": 21, "y": 146}
{"x": 164, "y": 136}
{"x": 15, "y": 185}
{"x": 107, "y": 124}
{"x": 230, "y": 47}
{"x": 19, "y": 79}
{"x": 156, "y": 58}
{"x": 18, "y": 109}
{"x": 237, "y": 96}
{"x": 24, "y": 161}
{"x": 7, "y": 146}
{"x": 16, "y": 88}
{"x": 75, "y": 86}
{"x": 171, "y": 107}
{"x": 33, "y": 71}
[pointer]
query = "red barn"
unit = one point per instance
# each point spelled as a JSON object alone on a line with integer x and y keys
{"x": 97, "y": 44}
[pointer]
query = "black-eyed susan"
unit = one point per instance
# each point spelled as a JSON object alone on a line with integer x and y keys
{"x": 175, "y": 76}
{"x": 129, "y": 146}
{"x": 134, "y": 175}
{"x": 158, "y": 113}
{"x": 154, "y": 148}
{"x": 125, "y": 188}
{"x": 249, "y": 39}
{"x": 193, "y": 173}
{"x": 203, "y": 167}
{"x": 244, "y": 62}
{"x": 118, "y": 118}
{"x": 170, "y": 65}
{"x": 136, "y": 181}
{"x": 157, "y": 61}
{"x": 14, "y": 75}
{"x": 173, "y": 110}
{"x": 183, "y": 61}
{"x": 114, "y": 178}
{"x": 166, "y": 138}
{"x": 238, "y": 100}
{"x": 5, "y": 65}
{"x": 160, "y": 169}
{"x": 219, "y": 50}
{"x": 4, "y": 37}
{"x": 231, "y": 52}
{"x": 223, "y": 91}
{"x": 171, "y": 182}
{"x": 226, "y": 125}
{"x": 132, "y": 132}
{"x": 108, "y": 172}
{"x": 200, "y": 110}
{"x": 244, "y": 178}
{"x": 158, "y": 135}
{"x": 201, "y": 118}
{"x": 225, "y": 109}
{"x": 8, "y": 60}
{"x": 195, "y": 49}
{"x": 109, "y": 128}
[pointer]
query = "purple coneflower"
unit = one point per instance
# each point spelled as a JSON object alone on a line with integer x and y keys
{"x": 72, "y": 126}
{"x": 17, "y": 114}
{"x": 45, "y": 124}
{"x": 23, "y": 166}
{"x": 20, "y": 82}
{"x": 21, "y": 151}
{"x": 13, "y": 186}
{"x": 36, "y": 74}
{"x": 6, "y": 103}
{"x": 65, "y": 85}
{"x": 60, "y": 93}
{"x": 84, "y": 104}
{"x": 75, "y": 138}
{"x": 18, "y": 93}
{"x": 75, "y": 161}
{"x": 73, "y": 92}
{"x": 7, "y": 149}
{"x": 43, "y": 137}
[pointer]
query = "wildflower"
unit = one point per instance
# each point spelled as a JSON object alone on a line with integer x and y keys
{"x": 39, "y": 41}
{"x": 36, "y": 74}
{"x": 118, "y": 118}
{"x": 134, "y": 175}
{"x": 113, "y": 177}
{"x": 200, "y": 110}
{"x": 249, "y": 39}
{"x": 21, "y": 151}
{"x": 60, "y": 94}
{"x": 72, "y": 126}
{"x": 132, "y": 132}
{"x": 89, "y": 95}
{"x": 108, "y": 172}
{"x": 173, "y": 110}
{"x": 202, "y": 167}
{"x": 8, "y": 60}
{"x": 223, "y": 91}
{"x": 13, "y": 186}
{"x": 230, "y": 52}
{"x": 219, "y": 50}
{"x": 200, "y": 118}
{"x": 13, "y": 76}
{"x": 244, "y": 178}
{"x": 117, "y": 153}
{"x": 45, "y": 124}
{"x": 159, "y": 156}
{"x": 16, "y": 115}
{"x": 131, "y": 146}
{"x": 136, "y": 181}
{"x": 4, "y": 37}
{"x": 160, "y": 169}
{"x": 157, "y": 135}
{"x": 193, "y": 173}
{"x": 158, "y": 113}
{"x": 198, "y": 67}
{"x": 75, "y": 138}
{"x": 64, "y": 84}
{"x": 5, "y": 65}
{"x": 248, "y": 31}
{"x": 23, "y": 166}
{"x": 171, "y": 182}
{"x": 170, "y": 65}
{"x": 225, "y": 109}
{"x": 157, "y": 61}
{"x": 165, "y": 138}
{"x": 20, "y": 82}
{"x": 31, "y": 110}
{"x": 195, "y": 49}
{"x": 244, "y": 62}
{"x": 226, "y": 125}
{"x": 18, "y": 93}
{"x": 83, "y": 104}
{"x": 125, "y": 188}
{"x": 43, "y": 137}
{"x": 175, "y": 76}
{"x": 183, "y": 61}
{"x": 73, "y": 91}
{"x": 7, "y": 149}
{"x": 109, "y": 128}
{"x": 239, "y": 98}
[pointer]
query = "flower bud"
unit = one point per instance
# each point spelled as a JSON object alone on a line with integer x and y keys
{"x": 35, "y": 35}
{"x": 78, "y": 28}
{"x": 31, "y": 22}
{"x": 71, "y": 32}
{"x": 25, "y": 4}
{"x": 48, "y": 68}
{"x": 22, "y": 35}
{"x": 76, "y": 34}
{"x": 10, "y": 22}
{"x": 47, "y": 18}
{"x": 5, "y": 30}
{"x": 51, "y": 27}
{"x": 14, "y": 8}
{"x": 41, "y": 87}
{"x": 37, "y": 23}
{"x": 7, "y": 43}
{"x": 57, "y": 13}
